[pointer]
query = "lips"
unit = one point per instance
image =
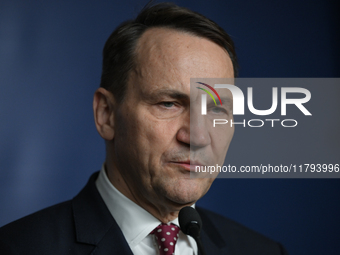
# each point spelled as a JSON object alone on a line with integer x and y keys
{"x": 188, "y": 165}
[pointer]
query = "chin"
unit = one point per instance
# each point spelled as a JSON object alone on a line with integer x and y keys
{"x": 187, "y": 192}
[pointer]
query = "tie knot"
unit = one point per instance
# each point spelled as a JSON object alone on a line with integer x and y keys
{"x": 166, "y": 237}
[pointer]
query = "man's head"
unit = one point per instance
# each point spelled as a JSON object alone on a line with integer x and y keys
{"x": 145, "y": 118}
{"x": 119, "y": 54}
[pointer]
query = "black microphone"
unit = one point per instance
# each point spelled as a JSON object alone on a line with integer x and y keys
{"x": 190, "y": 223}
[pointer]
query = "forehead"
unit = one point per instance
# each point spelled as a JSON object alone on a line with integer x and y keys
{"x": 169, "y": 58}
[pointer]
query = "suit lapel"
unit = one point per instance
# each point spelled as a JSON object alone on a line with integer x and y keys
{"x": 212, "y": 241}
{"x": 209, "y": 246}
{"x": 95, "y": 226}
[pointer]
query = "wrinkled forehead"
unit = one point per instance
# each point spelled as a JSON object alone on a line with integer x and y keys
{"x": 174, "y": 51}
{"x": 167, "y": 59}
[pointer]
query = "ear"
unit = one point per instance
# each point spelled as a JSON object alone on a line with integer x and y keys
{"x": 103, "y": 110}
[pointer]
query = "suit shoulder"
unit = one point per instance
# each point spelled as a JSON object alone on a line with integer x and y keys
{"x": 237, "y": 237}
{"x": 42, "y": 218}
{"x": 44, "y": 226}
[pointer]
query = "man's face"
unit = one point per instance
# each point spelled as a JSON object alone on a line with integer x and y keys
{"x": 152, "y": 124}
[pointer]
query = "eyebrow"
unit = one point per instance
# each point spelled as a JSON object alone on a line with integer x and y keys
{"x": 181, "y": 96}
{"x": 225, "y": 101}
{"x": 169, "y": 93}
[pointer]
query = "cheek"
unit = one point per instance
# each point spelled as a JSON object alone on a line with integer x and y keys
{"x": 220, "y": 143}
{"x": 222, "y": 137}
{"x": 158, "y": 137}
{"x": 150, "y": 137}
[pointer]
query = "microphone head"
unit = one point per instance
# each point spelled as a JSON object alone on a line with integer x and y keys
{"x": 190, "y": 221}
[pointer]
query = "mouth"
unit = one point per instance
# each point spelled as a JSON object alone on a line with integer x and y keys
{"x": 188, "y": 165}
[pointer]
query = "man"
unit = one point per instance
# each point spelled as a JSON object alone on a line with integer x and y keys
{"x": 142, "y": 110}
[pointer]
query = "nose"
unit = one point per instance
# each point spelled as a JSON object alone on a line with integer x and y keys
{"x": 199, "y": 133}
{"x": 183, "y": 134}
{"x": 193, "y": 131}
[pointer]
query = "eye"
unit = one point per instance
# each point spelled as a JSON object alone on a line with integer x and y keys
{"x": 168, "y": 104}
{"x": 218, "y": 110}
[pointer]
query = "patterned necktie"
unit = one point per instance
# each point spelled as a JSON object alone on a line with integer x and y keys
{"x": 166, "y": 237}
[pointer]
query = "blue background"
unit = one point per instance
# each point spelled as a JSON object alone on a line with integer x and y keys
{"x": 50, "y": 66}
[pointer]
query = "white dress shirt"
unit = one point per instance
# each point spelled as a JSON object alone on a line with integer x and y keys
{"x": 136, "y": 223}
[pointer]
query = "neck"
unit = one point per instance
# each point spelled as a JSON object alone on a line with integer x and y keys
{"x": 164, "y": 214}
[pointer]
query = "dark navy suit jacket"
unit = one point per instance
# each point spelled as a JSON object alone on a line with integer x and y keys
{"x": 84, "y": 225}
